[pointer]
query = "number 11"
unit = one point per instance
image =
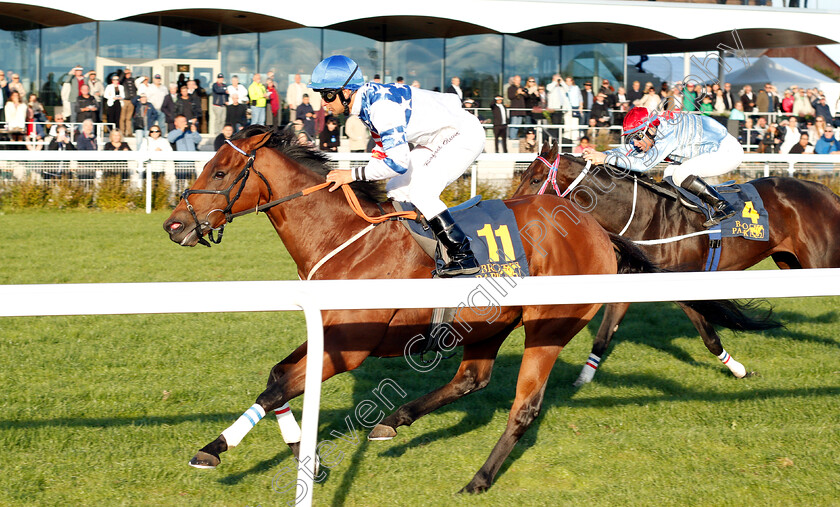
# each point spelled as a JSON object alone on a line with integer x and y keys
{"x": 504, "y": 235}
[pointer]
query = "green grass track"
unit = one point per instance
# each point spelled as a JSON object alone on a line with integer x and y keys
{"x": 108, "y": 410}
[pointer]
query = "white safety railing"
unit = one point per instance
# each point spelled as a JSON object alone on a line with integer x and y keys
{"x": 314, "y": 296}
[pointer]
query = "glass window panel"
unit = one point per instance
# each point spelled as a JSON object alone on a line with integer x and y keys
{"x": 528, "y": 58}
{"x": 477, "y": 60}
{"x": 239, "y": 56}
{"x": 594, "y": 62}
{"x": 19, "y": 56}
{"x": 127, "y": 39}
{"x": 181, "y": 43}
{"x": 415, "y": 60}
{"x": 62, "y": 48}
{"x": 290, "y": 52}
{"x": 364, "y": 51}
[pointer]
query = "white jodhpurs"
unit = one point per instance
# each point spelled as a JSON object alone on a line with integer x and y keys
{"x": 726, "y": 159}
{"x": 436, "y": 164}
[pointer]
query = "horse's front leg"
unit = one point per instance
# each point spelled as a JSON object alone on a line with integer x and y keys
{"x": 712, "y": 342}
{"x": 286, "y": 382}
{"x": 473, "y": 374}
{"x": 613, "y": 315}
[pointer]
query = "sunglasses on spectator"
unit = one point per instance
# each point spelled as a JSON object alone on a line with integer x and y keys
{"x": 154, "y": 132}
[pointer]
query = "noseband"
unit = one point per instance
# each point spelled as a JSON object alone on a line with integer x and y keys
{"x": 241, "y": 179}
{"x": 552, "y": 176}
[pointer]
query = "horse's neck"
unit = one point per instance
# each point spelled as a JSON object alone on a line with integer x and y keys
{"x": 615, "y": 196}
{"x": 313, "y": 225}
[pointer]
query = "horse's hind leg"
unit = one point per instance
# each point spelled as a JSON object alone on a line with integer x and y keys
{"x": 544, "y": 340}
{"x": 530, "y": 388}
{"x": 712, "y": 342}
{"x": 613, "y": 315}
{"x": 473, "y": 374}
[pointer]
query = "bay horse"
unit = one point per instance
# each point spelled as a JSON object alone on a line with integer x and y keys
{"x": 804, "y": 232}
{"x": 312, "y": 226}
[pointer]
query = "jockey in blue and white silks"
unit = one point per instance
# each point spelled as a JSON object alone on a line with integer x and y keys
{"x": 696, "y": 145}
{"x": 446, "y": 140}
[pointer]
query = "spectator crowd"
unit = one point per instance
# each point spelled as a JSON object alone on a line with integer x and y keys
{"x": 796, "y": 120}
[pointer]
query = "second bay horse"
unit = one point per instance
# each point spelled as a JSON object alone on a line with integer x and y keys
{"x": 804, "y": 230}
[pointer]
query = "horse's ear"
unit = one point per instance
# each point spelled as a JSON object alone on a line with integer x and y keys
{"x": 545, "y": 147}
{"x": 260, "y": 140}
{"x": 555, "y": 149}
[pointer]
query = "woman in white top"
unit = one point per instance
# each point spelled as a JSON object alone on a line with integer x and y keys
{"x": 719, "y": 104}
{"x": 16, "y": 116}
{"x": 155, "y": 141}
{"x": 114, "y": 95}
{"x": 650, "y": 100}
{"x": 791, "y": 135}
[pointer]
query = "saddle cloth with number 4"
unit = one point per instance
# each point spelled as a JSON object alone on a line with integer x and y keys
{"x": 750, "y": 221}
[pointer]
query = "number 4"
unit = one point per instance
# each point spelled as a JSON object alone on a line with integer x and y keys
{"x": 504, "y": 234}
{"x": 750, "y": 212}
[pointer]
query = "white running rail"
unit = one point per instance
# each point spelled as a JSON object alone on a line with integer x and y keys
{"x": 314, "y": 296}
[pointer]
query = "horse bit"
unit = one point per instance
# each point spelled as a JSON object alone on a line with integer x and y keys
{"x": 242, "y": 179}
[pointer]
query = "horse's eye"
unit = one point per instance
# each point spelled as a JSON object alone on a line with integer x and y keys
{"x": 535, "y": 181}
{"x": 219, "y": 175}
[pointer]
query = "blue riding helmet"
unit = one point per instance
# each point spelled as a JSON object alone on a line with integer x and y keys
{"x": 336, "y": 72}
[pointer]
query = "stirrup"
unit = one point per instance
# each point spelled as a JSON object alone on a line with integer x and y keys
{"x": 719, "y": 216}
{"x": 468, "y": 265}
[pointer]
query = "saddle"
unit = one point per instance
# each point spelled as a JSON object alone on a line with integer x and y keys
{"x": 495, "y": 241}
{"x": 751, "y": 220}
{"x": 493, "y": 232}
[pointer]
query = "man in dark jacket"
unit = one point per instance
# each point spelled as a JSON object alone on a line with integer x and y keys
{"x": 500, "y": 124}
{"x": 220, "y": 98}
{"x": 821, "y": 108}
{"x": 516, "y": 95}
{"x": 168, "y": 106}
{"x": 127, "y": 112}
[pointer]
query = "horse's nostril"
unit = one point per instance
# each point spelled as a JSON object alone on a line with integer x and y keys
{"x": 175, "y": 225}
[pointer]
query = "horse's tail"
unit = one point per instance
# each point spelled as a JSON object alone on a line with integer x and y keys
{"x": 726, "y": 313}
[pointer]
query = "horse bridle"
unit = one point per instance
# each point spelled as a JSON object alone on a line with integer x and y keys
{"x": 552, "y": 176}
{"x": 242, "y": 179}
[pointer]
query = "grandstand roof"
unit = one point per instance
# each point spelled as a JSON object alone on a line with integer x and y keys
{"x": 647, "y": 27}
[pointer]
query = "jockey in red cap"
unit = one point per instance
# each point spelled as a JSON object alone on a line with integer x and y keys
{"x": 696, "y": 145}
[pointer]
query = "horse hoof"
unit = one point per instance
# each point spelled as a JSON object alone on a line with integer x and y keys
{"x": 473, "y": 488}
{"x": 382, "y": 432}
{"x": 204, "y": 460}
{"x": 751, "y": 374}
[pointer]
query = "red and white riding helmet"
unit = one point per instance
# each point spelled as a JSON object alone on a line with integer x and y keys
{"x": 638, "y": 118}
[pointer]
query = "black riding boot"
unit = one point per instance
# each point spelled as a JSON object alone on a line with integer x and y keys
{"x": 457, "y": 245}
{"x": 710, "y": 196}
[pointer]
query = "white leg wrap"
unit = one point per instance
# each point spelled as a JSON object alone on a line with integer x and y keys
{"x": 588, "y": 371}
{"x": 734, "y": 366}
{"x": 237, "y": 431}
{"x": 288, "y": 425}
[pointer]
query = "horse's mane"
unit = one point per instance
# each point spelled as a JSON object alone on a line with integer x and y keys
{"x": 285, "y": 141}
